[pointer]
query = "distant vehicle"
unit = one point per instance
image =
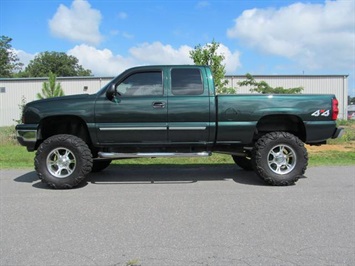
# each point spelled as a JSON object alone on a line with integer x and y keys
{"x": 351, "y": 111}
{"x": 173, "y": 111}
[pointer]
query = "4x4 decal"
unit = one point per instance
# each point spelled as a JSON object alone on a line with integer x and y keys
{"x": 321, "y": 112}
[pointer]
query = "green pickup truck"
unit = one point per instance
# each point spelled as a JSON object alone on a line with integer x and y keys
{"x": 173, "y": 111}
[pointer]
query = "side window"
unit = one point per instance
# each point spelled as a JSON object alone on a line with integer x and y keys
{"x": 186, "y": 81}
{"x": 142, "y": 84}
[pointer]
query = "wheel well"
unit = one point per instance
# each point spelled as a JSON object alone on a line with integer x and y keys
{"x": 288, "y": 123}
{"x": 64, "y": 125}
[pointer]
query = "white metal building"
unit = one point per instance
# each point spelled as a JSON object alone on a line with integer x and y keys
{"x": 12, "y": 90}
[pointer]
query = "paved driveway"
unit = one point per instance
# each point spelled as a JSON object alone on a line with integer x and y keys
{"x": 199, "y": 215}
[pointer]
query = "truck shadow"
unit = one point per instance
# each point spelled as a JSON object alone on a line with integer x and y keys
{"x": 159, "y": 174}
{"x": 173, "y": 174}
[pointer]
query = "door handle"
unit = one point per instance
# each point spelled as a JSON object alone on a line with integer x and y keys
{"x": 157, "y": 105}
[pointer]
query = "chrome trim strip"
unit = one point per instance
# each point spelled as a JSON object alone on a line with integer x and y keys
{"x": 149, "y": 128}
{"x": 187, "y": 128}
{"x": 131, "y": 128}
{"x": 113, "y": 155}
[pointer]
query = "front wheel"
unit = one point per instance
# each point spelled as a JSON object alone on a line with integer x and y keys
{"x": 63, "y": 161}
{"x": 280, "y": 158}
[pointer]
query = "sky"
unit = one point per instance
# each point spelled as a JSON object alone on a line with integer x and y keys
{"x": 261, "y": 37}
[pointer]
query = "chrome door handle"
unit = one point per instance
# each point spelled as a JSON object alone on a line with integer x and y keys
{"x": 157, "y": 105}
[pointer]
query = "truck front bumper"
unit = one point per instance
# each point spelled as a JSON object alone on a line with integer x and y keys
{"x": 27, "y": 136}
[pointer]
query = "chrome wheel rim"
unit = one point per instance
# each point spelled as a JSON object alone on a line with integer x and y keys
{"x": 282, "y": 159}
{"x": 61, "y": 162}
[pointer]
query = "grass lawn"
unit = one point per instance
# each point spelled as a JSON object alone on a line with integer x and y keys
{"x": 15, "y": 156}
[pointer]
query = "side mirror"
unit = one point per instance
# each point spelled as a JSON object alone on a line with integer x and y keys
{"x": 111, "y": 92}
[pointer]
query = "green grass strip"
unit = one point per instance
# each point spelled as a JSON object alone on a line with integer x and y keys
{"x": 16, "y": 156}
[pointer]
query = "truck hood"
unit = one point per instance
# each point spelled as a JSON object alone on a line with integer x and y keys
{"x": 81, "y": 105}
{"x": 62, "y": 98}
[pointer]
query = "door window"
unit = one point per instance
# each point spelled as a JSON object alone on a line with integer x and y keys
{"x": 142, "y": 84}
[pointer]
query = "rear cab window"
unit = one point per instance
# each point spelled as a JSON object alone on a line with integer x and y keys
{"x": 186, "y": 81}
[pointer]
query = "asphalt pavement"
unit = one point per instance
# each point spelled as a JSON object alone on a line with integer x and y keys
{"x": 167, "y": 215}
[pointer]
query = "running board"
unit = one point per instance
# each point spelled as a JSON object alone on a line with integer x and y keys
{"x": 113, "y": 155}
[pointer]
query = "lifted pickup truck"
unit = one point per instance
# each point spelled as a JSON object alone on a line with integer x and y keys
{"x": 156, "y": 111}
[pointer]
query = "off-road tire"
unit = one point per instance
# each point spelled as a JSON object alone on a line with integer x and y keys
{"x": 243, "y": 162}
{"x": 63, "y": 161}
{"x": 99, "y": 165}
{"x": 279, "y": 158}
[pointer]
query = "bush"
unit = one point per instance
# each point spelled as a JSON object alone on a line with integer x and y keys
{"x": 349, "y": 134}
{"x": 349, "y": 123}
{"x": 8, "y": 135}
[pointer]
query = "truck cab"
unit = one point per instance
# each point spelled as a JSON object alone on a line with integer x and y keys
{"x": 162, "y": 106}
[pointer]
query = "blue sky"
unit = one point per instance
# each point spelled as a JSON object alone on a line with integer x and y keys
{"x": 257, "y": 37}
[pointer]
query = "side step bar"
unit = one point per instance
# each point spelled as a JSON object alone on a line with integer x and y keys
{"x": 113, "y": 155}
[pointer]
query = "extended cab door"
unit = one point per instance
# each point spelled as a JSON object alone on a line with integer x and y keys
{"x": 190, "y": 106}
{"x": 138, "y": 112}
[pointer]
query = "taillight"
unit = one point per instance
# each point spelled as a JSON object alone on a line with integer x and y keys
{"x": 335, "y": 109}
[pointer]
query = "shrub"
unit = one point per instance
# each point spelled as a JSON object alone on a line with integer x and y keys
{"x": 8, "y": 135}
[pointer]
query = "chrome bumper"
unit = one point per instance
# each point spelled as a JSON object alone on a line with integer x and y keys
{"x": 338, "y": 133}
{"x": 27, "y": 136}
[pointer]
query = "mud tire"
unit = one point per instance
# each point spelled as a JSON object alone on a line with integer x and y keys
{"x": 279, "y": 158}
{"x": 63, "y": 161}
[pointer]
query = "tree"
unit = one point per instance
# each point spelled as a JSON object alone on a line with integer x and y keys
{"x": 51, "y": 89}
{"x": 60, "y": 64}
{"x": 265, "y": 88}
{"x": 208, "y": 55}
{"x": 9, "y": 62}
{"x": 21, "y": 106}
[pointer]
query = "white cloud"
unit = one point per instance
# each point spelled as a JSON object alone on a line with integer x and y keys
{"x": 24, "y": 57}
{"x": 104, "y": 62}
{"x": 202, "y": 4}
{"x": 157, "y": 53}
{"x": 127, "y": 35}
{"x": 124, "y": 34}
{"x": 101, "y": 62}
{"x": 122, "y": 15}
{"x": 80, "y": 23}
{"x": 231, "y": 60}
{"x": 315, "y": 35}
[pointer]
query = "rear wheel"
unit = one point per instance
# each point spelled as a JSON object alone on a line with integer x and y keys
{"x": 280, "y": 158}
{"x": 63, "y": 161}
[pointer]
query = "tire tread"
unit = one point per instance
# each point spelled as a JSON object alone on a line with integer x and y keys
{"x": 263, "y": 143}
{"x": 85, "y": 157}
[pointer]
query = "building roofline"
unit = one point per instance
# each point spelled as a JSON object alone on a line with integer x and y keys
{"x": 227, "y": 76}
{"x": 58, "y": 78}
{"x": 292, "y": 76}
